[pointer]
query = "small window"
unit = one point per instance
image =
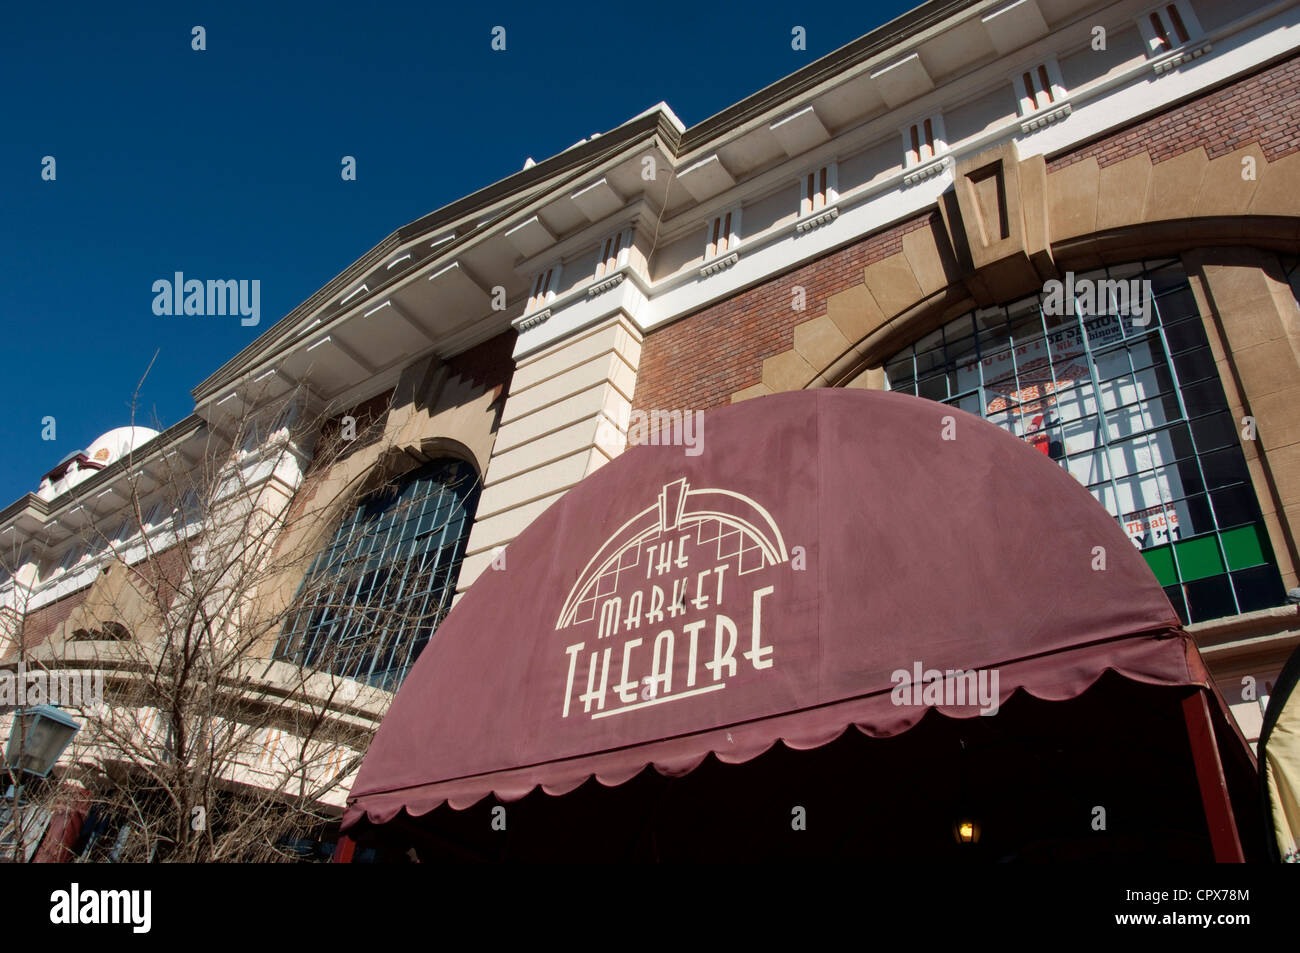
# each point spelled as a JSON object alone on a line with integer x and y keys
{"x": 116, "y": 632}
{"x": 817, "y": 190}
{"x": 73, "y": 556}
{"x": 923, "y": 140}
{"x": 1039, "y": 87}
{"x": 613, "y": 252}
{"x": 545, "y": 286}
{"x": 922, "y": 144}
{"x": 111, "y": 632}
{"x": 723, "y": 234}
{"x": 1168, "y": 27}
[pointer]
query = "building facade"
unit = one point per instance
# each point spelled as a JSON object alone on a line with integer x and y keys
{"x": 1078, "y": 221}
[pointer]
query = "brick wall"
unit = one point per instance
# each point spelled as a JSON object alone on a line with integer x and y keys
{"x": 700, "y": 361}
{"x": 1263, "y": 108}
{"x": 490, "y": 364}
{"x": 40, "y": 623}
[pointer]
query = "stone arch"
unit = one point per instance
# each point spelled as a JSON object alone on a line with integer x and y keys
{"x": 396, "y": 461}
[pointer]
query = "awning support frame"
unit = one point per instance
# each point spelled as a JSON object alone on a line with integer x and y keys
{"x": 1214, "y": 786}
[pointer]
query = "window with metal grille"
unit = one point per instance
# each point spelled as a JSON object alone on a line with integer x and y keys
{"x": 375, "y": 594}
{"x": 1134, "y": 410}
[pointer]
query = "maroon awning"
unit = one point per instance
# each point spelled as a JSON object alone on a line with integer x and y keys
{"x": 824, "y": 550}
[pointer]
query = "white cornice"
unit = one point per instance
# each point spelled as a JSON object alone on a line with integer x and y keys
{"x": 641, "y": 212}
{"x": 1115, "y": 100}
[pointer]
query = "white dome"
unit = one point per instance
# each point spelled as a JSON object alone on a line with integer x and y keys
{"x": 107, "y": 449}
{"x": 118, "y": 442}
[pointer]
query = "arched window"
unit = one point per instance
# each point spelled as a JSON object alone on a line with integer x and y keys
{"x": 1112, "y": 376}
{"x": 376, "y": 592}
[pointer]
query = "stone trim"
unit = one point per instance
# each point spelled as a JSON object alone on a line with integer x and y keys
{"x": 718, "y": 264}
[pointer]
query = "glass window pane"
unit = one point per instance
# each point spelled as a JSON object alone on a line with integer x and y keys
{"x": 1112, "y": 363}
{"x": 1131, "y": 456}
{"x": 372, "y": 596}
{"x": 1224, "y": 467}
{"x": 1175, "y": 594}
{"x": 1199, "y": 558}
{"x": 1088, "y": 468}
{"x": 1245, "y": 546}
{"x": 1234, "y": 506}
{"x": 932, "y": 340}
{"x": 1197, "y": 365}
{"x": 898, "y": 372}
{"x": 933, "y": 388}
{"x": 1185, "y": 336}
{"x": 1258, "y": 588}
{"x": 969, "y": 403}
{"x": 1215, "y": 431}
{"x": 1176, "y": 305}
{"x": 1210, "y": 598}
{"x": 1203, "y": 398}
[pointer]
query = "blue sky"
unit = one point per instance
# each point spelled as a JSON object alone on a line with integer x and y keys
{"x": 225, "y": 163}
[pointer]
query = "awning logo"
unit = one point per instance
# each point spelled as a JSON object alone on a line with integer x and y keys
{"x": 666, "y": 607}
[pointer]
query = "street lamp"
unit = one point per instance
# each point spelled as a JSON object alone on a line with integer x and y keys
{"x": 966, "y": 831}
{"x": 37, "y": 739}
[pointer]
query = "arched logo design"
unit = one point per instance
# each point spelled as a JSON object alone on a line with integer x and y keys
{"x": 652, "y": 597}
